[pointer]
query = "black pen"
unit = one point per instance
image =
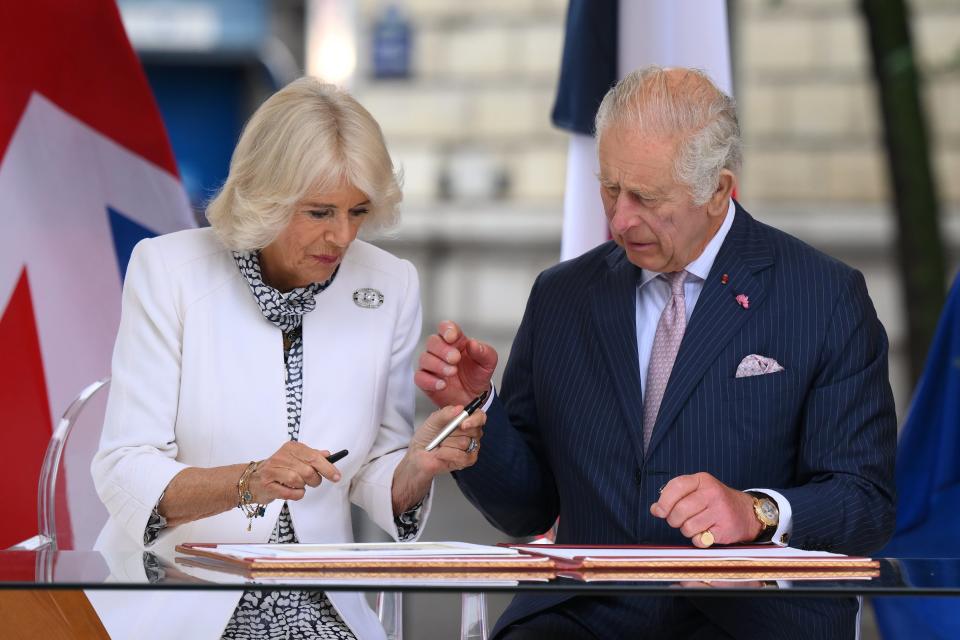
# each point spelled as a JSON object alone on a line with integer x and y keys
{"x": 336, "y": 457}
{"x": 453, "y": 424}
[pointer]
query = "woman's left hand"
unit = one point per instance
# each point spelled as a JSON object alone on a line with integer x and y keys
{"x": 457, "y": 451}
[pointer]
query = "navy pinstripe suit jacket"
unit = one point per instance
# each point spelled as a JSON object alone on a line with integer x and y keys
{"x": 564, "y": 437}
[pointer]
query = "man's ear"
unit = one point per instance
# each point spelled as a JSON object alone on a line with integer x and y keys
{"x": 718, "y": 202}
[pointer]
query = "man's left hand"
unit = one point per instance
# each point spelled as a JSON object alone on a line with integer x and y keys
{"x": 699, "y": 502}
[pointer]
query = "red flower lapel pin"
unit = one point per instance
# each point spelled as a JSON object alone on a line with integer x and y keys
{"x": 742, "y": 299}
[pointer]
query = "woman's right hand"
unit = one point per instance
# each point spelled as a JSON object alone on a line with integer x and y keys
{"x": 287, "y": 473}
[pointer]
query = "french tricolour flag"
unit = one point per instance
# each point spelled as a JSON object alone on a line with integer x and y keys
{"x": 85, "y": 172}
{"x": 605, "y": 40}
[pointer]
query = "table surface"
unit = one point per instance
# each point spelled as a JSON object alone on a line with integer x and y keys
{"x": 46, "y": 569}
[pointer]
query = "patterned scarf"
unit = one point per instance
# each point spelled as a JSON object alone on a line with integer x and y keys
{"x": 285, "y": 310}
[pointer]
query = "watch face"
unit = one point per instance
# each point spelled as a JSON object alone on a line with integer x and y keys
{"x": 769, "y": 511}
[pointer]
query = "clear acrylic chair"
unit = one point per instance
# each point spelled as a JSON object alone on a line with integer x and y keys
{"x": 80, "y": 427}
{"x": 390, "y": 612}
{"x": 473, "y": 616}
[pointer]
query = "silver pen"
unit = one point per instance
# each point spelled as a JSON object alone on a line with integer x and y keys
{"x": 453, "y": 424}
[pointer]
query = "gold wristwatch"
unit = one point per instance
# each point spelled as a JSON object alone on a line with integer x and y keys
{"x": 767, "y": 512}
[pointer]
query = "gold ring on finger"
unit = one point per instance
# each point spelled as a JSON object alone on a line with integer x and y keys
{"x": 706, "y": 538}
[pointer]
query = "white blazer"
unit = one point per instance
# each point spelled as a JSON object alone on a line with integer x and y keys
{"x": 199, "y": 380}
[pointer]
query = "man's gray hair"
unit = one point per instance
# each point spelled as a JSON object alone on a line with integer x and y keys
{"x": 682, "y": 104}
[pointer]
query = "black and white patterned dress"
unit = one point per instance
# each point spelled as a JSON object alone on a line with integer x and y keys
{"x": 275, "y": 615}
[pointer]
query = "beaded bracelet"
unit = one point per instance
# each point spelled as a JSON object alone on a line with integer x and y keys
{"x": 246, "y": 504}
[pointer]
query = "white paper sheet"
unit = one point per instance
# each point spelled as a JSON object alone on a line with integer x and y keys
{"x": 682, "y": 553}
{"x": 362, "y": 550}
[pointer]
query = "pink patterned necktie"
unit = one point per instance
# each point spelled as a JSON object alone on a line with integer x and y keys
{"x": 666, "y": 343}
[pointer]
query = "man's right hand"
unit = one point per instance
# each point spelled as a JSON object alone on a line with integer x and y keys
{"x": 455, "y": 369}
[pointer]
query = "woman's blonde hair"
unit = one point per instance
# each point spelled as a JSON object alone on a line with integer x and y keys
{"x": 308, "y": 137}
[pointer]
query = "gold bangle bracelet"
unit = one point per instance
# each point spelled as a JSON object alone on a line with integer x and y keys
{"x": 245, "y": 497}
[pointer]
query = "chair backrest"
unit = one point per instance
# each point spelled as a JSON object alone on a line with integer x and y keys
{"x": 69, "y": 511}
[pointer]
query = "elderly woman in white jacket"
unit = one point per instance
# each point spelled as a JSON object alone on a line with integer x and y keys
{"x": 247, "y": 353}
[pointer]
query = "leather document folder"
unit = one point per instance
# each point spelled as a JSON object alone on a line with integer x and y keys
{"x": 463, "y": 561}
{"x": 447, "y": 560}
{"x": 734, "y": 562}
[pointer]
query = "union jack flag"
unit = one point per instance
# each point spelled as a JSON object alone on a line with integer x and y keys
{"x": 86, "y": 171}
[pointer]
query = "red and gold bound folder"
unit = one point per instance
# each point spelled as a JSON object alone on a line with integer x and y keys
{"x": 456, "y": 560}
{"x": 398, "y": 561}
{"x": 734, "y": 562}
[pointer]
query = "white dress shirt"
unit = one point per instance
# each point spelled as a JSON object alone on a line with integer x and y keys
{"x": 653, "y": 293}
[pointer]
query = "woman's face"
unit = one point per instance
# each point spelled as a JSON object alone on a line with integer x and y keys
{"x": 311, "y": 246}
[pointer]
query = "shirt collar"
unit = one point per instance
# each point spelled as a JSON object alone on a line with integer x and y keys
{"x": 702, "y": 265}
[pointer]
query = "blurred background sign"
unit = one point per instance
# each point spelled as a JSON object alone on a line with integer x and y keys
{"x": 392, "y": 40}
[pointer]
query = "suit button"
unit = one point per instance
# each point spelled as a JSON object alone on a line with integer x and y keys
{"x": 639, "y": 477}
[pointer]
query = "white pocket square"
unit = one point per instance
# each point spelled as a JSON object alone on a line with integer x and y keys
{"x": 755, "y": 365}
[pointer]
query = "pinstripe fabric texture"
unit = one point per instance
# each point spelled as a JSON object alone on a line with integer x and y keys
{"x": 565, "y": 435}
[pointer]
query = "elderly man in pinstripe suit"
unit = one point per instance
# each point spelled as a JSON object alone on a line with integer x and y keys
{"x": 701, "y": 378}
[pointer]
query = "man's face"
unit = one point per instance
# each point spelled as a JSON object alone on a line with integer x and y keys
{"x": 651, "y": 215}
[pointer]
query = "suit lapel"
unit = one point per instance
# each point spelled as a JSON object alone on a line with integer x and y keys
{"x": 718, "y": 316}
{"x": 614, "y": 308}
